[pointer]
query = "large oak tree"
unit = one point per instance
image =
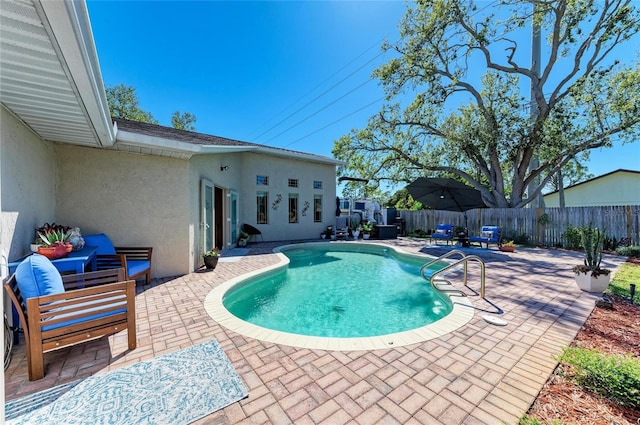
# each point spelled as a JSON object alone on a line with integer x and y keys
{"x": 464, "y": 98}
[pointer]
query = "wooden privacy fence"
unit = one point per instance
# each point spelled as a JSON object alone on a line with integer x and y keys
{"x": 617, "y": 221}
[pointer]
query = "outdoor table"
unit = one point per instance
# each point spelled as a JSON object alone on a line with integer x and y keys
{"x": 463, "y": 240}
{"x": 76, "y": 261}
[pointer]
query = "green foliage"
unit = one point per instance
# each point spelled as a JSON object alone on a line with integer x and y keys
{"x": 123, "y": 103}
{"x": 612, "y": 244}
{"x": 543, "y": 219}
{"x": 517, "y": 238}
{"x": 402, "y": 200}
{"x": 48, "y": 234}
{"x": 212, "y": 252}
{"x": 419, "y": 233}
{"x": 527, "y": 420}
{"x": 183, "y": 121}
{"x": 571, "y": 238}
{"x": 612, "y": 376}
{"x": 629, "y": 251}
{"x": 469, "y": 116}
{"x": 592, "y": 240}
{"x": 626, "y": 275}
{"x": 367, "y": 227}
{"x": 54, "y": 237}
{"x": 572, "y": 172}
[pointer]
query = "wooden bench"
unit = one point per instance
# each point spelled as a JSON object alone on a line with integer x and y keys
{"x": 94, "y": 304}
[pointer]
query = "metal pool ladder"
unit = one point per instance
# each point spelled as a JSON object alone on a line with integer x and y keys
{"x": 463, "y": 261}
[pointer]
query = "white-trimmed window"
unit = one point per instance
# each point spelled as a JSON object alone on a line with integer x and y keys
{"x": 262, "y": 180}
{"x": 293, "y": 182}
{"x": 317, "y": 184}
{"x": 317, "y": 208}
{"x": 262, "y": 208}
{"x": 293, "y": 208}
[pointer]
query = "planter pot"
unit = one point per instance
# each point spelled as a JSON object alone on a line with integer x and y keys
{"x": 356, "y": 234}
{"x": 242, "y": 242}
{"x": 588, "y": 283}
{"x": 366, "y": 236}
{"x": 507, "y": 248}
{"x": 55, "y": 252}
{"x": 210, "y": 262}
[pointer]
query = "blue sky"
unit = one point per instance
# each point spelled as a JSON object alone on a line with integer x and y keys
{"x": 288, "y": 74}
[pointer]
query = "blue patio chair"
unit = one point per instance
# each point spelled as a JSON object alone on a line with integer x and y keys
{"x": 60, "y": 311}
{"x": 136, "y": 261}
{"x": 488, "y": 235}
{"x": 443, "y": 232}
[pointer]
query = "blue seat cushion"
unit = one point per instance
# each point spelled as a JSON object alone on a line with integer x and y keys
{"x": 37, "y": 276}
{"x": 102, "y": 241}
{"x": 86, "y": 307}
{"x": 487, "y": 234}
{"x": 137, "y": 266}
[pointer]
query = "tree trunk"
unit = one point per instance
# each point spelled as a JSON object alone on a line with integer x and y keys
{"x": 560, "y": 189}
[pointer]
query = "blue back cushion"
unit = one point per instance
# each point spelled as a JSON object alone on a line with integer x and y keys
{"x": 493, "y": 229}
{"x": 36, "y": 276}
{"x": 102, "y": 241}
{"x": 448, "y": 228}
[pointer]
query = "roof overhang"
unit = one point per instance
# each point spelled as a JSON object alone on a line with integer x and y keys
{"x": 50, "y": 75}
{"x": 153, "y": 145}
{"x": 130, "y": 141}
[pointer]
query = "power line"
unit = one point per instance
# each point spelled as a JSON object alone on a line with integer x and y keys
{"x": 319, "y": 110}
{"x": 317, "y": 97}
{"x": 334, "y": 122}
{"x": 316, "y": 87}
{"x": 331, "y": 88}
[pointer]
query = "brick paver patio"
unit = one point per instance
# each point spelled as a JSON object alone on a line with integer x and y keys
{"x": 479, "y": 374}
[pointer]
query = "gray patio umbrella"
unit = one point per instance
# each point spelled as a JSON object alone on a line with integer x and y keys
{"x": 445, "y": 194}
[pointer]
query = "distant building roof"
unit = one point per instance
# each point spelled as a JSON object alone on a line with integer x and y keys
{"x": 619, "y": 170}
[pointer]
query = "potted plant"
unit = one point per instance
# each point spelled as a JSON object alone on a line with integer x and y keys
{"x": 211, "y": 258}
{"x": 54, "y": 243}
{"x": 45, "y": 229}
{"x": 355, "y": 232}
{"x": 243, "y": 238}
{"x": 367, "y": 228}
{"x": 589, "y": 276}
{"x": 328, "y": 233}
{"x": 509, "y": 246}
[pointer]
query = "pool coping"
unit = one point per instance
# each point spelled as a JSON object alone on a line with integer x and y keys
{"x": 462, "y": 313}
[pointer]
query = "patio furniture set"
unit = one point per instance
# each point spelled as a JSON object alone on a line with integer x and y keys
{"x": 56, "y": 310}
{"x": 488, "y": 235}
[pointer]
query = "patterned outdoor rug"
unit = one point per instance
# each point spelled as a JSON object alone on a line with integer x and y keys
{"x": 176, "y": 388}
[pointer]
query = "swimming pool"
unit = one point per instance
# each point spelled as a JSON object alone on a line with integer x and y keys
{"x": 382, "y": 301}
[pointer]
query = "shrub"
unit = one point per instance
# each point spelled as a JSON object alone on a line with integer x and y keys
{"x": 518, "y": 239}
{"x": 612, "y": 376}
{"x": 571, "y": 237}
{"x": 629, "y": 251}
{"x": 419, "y": 233}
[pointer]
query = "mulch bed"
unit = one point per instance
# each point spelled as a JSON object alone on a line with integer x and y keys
{"x": 615, "y": 331}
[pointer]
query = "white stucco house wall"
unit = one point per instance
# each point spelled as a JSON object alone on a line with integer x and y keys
{"x": 619, "y": 187}
{"x": 63, "y": 158}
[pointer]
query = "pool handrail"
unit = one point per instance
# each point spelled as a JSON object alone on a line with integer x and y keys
{"x": 464, "y": 261}
{"x": 442, "y": 257}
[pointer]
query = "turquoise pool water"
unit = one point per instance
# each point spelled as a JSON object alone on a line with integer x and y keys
{"x": 340, "y": 290}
